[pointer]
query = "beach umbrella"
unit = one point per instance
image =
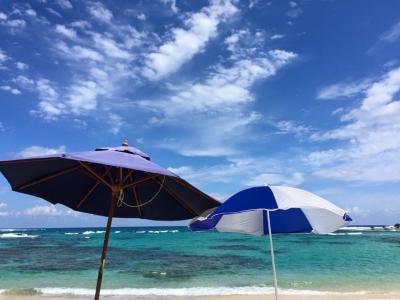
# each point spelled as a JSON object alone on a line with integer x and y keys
{"x": 271, "y": 210}
{"x": 114, "y": 182}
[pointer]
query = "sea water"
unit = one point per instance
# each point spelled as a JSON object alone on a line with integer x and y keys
{"x": 176, "y": 261}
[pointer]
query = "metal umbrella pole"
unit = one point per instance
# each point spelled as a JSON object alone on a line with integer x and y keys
{"x": 271, "y": 247}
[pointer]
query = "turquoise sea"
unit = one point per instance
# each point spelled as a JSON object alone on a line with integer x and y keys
{"x": 175, "y": 261}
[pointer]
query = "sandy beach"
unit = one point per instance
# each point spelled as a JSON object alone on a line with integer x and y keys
{"x": 391, "y": 296}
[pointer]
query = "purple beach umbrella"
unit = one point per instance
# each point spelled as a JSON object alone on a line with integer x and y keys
{"x": 117, "y": 182}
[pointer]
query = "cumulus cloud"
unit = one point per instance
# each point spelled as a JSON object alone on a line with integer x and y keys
{"x": 10, "y": 89}
{"x": 370, "y": 137}
{"x": 344, "y": 89}
{"x": 41, "y": 211}
{"x": 98, "y": 11}
{"x": 218, "y": 103}
{"x": 65, "y": 31}
{"x": 21, "y": 66}
{"x": 225, "y": 88}
{"x": 186, "y": 42}
{"x": 40, "y": 150}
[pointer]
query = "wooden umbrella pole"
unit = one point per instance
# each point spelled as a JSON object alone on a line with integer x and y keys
{"x": 105, "y": 244}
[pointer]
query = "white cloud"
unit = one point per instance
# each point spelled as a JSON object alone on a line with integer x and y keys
{"x": 369, "y": 136}
{"x": 39, "y": 150}
{"x": 172, "y": 5}
{"x": 3, "y": 16}
{"x": 3, "y": 205}
{"x": 344, "y": 89}
{"x": 115, "y": 123}
{"x": 53, "y": 12}
{"x": 294, "y": 10}
{"x": 100, "y": 12}
{"x": 141, "y": 16}
{"x": 110, "y": 47}
{"x": 291, "y": 127}
{"x": 358, "y": 211}
{"x": 21, "y": 66}
{"x": 185, "y": 43}
{"x": 24, "y": 82}
{"x": 46, "y": 210}
{"x": 3, "y": 58}
{"x": 225, "y": 88}
{"x": 243, "y": 172}
{"x": 252, "y": 3}
{"x": 30, "y": 12}
{"x": 219, "y": 103}
{"x": 294, "y": 179}
{"x": 81, "y": 24}
{"x": 65, "y": 31}
{"x": 64, "y": 4}
{"x": 393, "y": 34}
{"x": 277, "y": 36}
{"x": 50, "y": 106}
{"x": 8, "y": 88}
{"x": 78, "y": 52}
{"x": 15, "y": 24}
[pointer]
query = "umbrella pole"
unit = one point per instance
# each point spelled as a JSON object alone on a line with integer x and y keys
{"x": 105, "y": 245}
{"x": 271, "y": 247}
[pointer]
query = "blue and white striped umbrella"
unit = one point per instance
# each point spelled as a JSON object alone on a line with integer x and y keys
{"x": 271, "y": 210}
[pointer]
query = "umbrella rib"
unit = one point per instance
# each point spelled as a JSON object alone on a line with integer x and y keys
{"x": 95, "y": 175}
{"x": 126, "y": 177}
{"x": 87, "y": 195}
{"x": 47, "y": 177}
{"x": 136, "y": 196}
{"x": 132, "y": 184}
{"x": 189, "y": 186}
{"x": 90, "y": 191}
{"x": 177, "y": 198}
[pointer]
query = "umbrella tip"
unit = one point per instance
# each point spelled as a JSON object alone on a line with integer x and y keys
{"x": 125, "y": 143}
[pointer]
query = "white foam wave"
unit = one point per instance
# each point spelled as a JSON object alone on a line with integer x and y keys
{"x": 345, "y": 233}
{"x": 71, "y": 233}
{"x": 369, "y": 228}
{"x": 157, "y": 231}
{"x": 197, "y": 291}
{"x": 118, "y": 231}
{"x": 88, "y": 232}
{"x": 16, "y": 235}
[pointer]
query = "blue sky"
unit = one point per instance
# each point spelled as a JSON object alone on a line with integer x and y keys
{"x": 227, "y": 94}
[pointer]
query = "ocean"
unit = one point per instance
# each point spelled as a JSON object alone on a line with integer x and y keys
{"x": 175, "y": 261}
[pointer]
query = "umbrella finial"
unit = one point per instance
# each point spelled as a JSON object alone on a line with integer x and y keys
{"x": 125, "y": 143}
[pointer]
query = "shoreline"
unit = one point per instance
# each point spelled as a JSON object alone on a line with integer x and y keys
{"x": 374, "y": 296}
{"x": 181, "y": 294}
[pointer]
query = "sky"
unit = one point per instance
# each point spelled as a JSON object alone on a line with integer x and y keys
{"x": 227, "y": 94}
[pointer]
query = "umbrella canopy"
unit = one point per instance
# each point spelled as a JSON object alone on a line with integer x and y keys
{"x": 83, "y": 181}
{"x": 274, "y": 209}
{"x": 292, "y": 210}
{"x": 115, "y": 182}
